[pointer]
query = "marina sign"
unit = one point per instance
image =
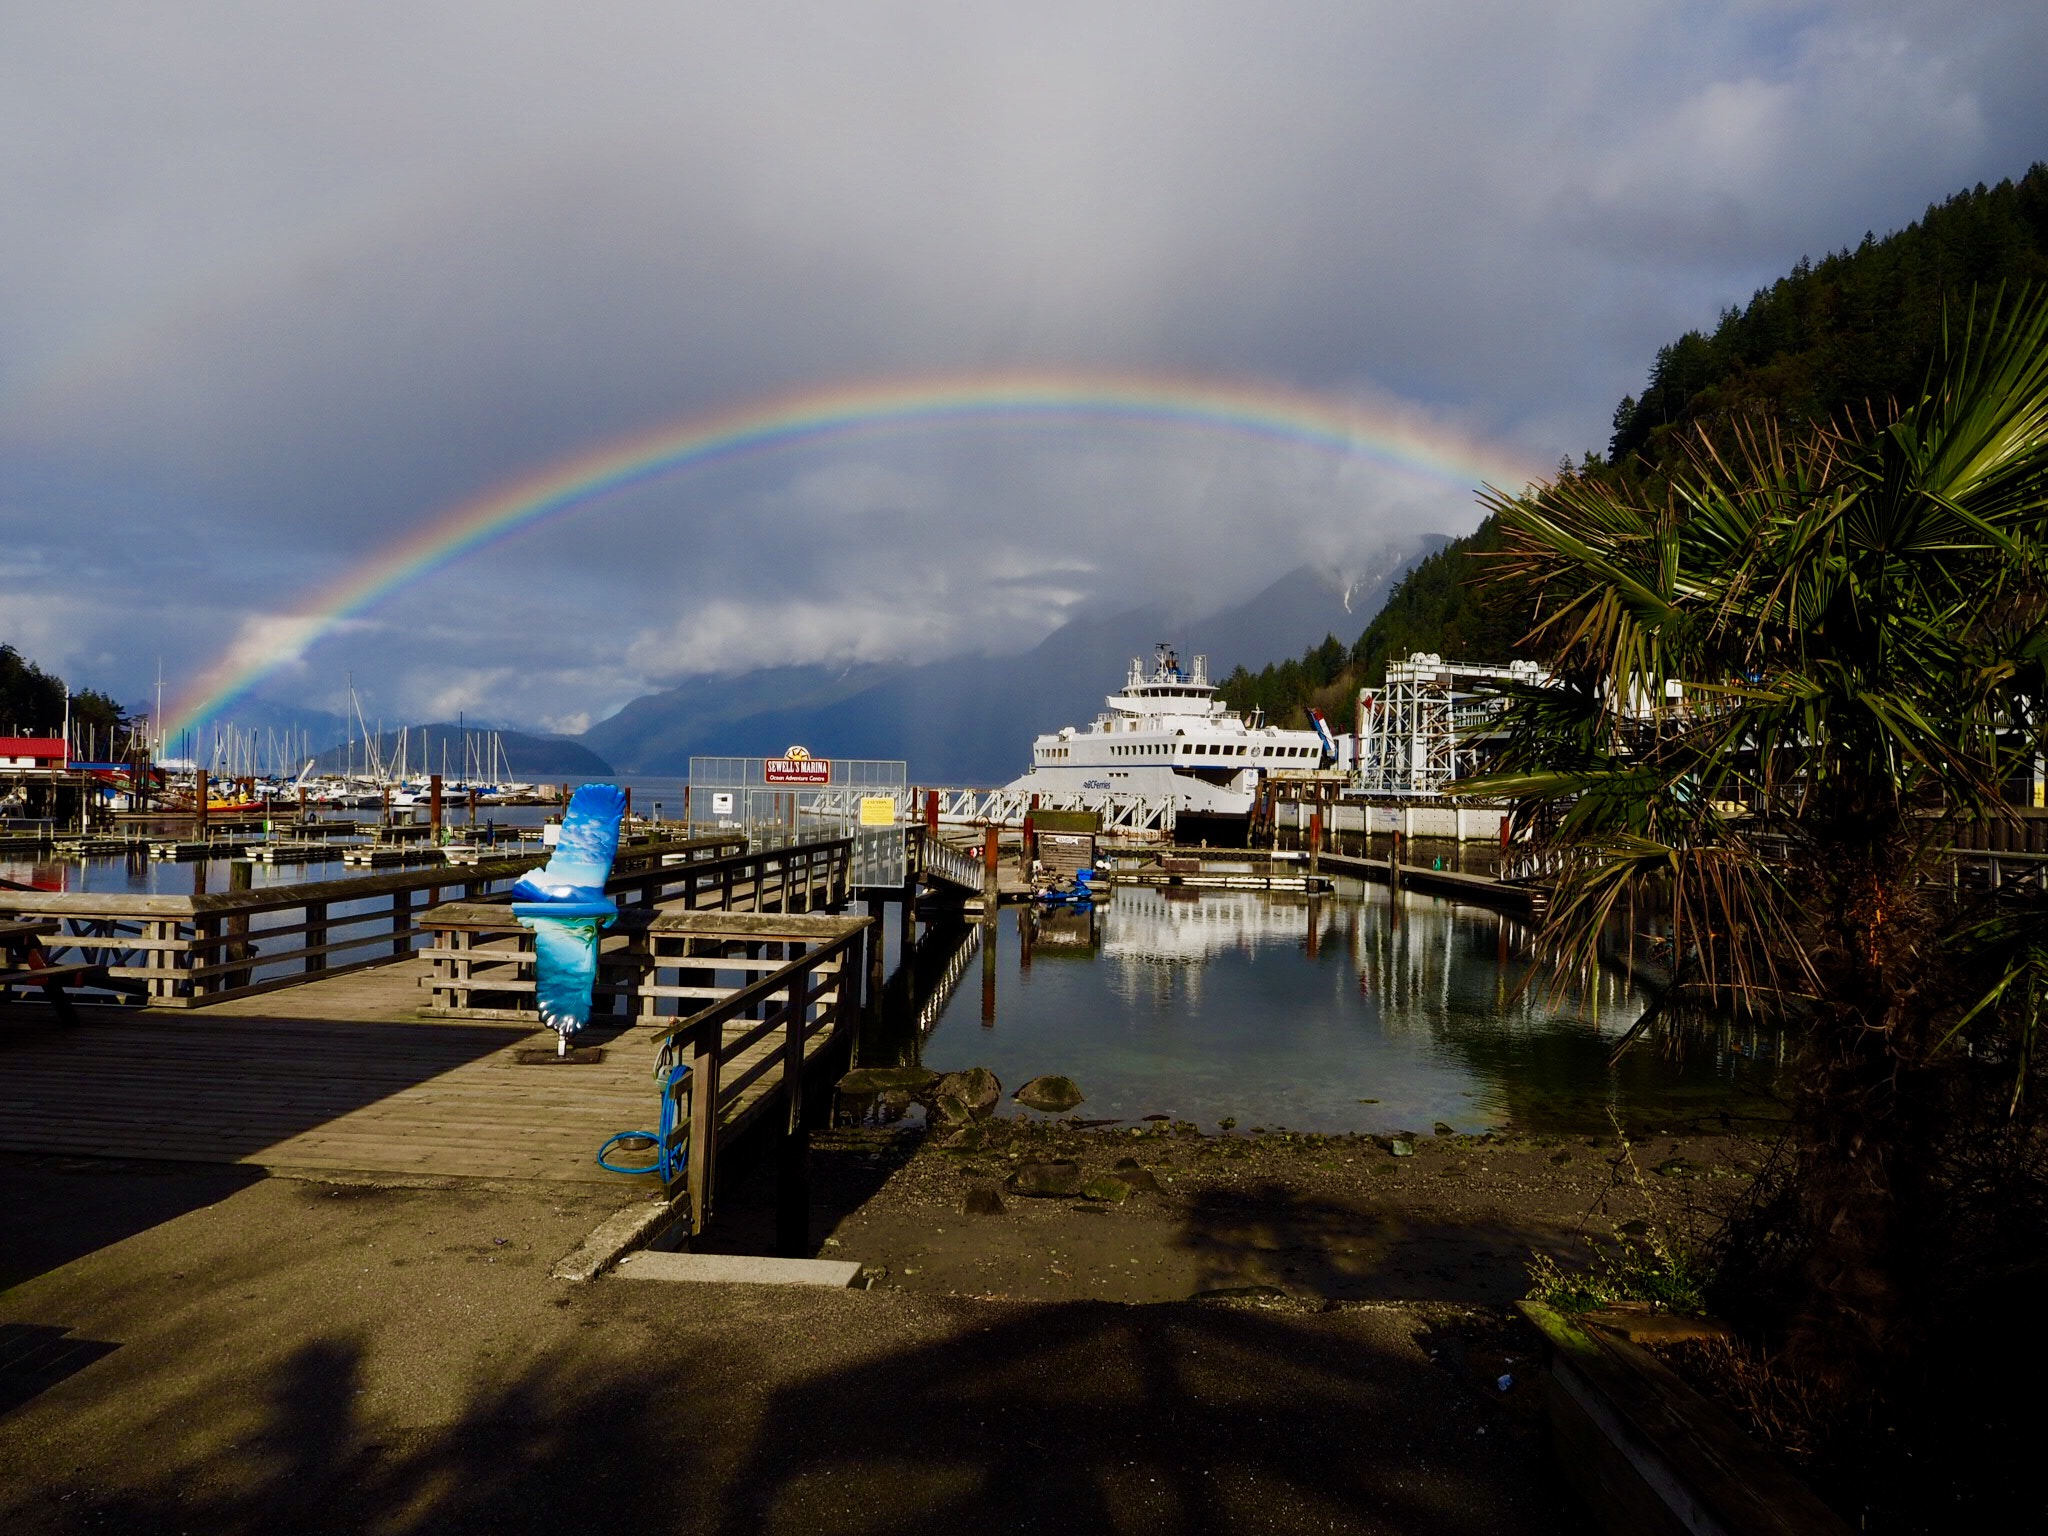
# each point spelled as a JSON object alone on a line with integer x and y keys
{"x": 797, "y": 766}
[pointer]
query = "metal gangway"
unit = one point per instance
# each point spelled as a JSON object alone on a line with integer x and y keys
{"x": 1413, "y": 730}
{"x": 1000, "y": 807}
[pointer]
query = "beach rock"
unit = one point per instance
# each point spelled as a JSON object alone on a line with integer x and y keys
{"x": 1443, "y": 1130}
{"x": 1241, "y": 1293}
{"x": 948, "y": 1111}
{"x": 1051, "y": 1095}
{"x": 1400, "y": 1146}
{"x": 982, "y": 1201}
{"x": 1058, "y": 1178}
{"x": 968, "y": 1138}
{"x": 1104, "y": 1187}
{"x": 977, "y": 1087}
{"x": 883, "y": 1079}
{"x": 1141, "y": 1180}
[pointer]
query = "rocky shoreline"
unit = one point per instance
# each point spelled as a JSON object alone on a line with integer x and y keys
{"x": 1021, "y": 1206}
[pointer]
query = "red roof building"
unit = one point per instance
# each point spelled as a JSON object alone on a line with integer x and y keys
{"x": 44, "y": 752}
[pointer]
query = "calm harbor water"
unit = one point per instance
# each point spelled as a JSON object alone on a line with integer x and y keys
{"x": 1352, "y": 1013}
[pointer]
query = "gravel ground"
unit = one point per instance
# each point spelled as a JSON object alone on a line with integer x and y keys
{"x": 198, "y": 1350}
{"x": 1315, "y": 1218}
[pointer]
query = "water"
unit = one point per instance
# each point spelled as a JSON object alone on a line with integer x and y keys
{"x": 1265, "y": 1009}
{"x": 1351, "y": 1013}
{"x": 141, "y": 876}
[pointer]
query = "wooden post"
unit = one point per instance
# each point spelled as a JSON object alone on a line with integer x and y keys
{"x": 1315, "y": 839}
{"x": 793, "y": 1181}
{"x": 434, "y": 806}
{"x": 316, "y": 934}
{"x": 877, "y": 944}
{"x": 241, "y": 877}
{"x": 931, "y": 813}
{"x": 988, "y": 977}
{"x": 199, "y": 793}
{"x": 385, "y": 792}
{"x": 474, "y": 796}
{"x": 703, "y": 1123}
{"x": 909, "y": 929}
{"x": 990, "y": 876}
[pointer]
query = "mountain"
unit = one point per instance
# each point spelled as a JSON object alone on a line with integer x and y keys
{"x": 1855, "y": 326}
{"x": 442, "y": 747}
{"x": 970, "y": 720}
{"x": 667, "y": 727}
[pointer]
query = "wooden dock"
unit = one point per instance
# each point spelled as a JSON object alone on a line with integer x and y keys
{"x": 346, "y": 1075}
{"x": 342, "y": 1075}
{"x": 349, "y": 1072}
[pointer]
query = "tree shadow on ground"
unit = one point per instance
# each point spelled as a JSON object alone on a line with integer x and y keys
{"x": 559, "y": 1449}
{"x": 1087, "y": 1417}
{"x": 1339, "y": 1251}
{"x": 1178, "y": 1418}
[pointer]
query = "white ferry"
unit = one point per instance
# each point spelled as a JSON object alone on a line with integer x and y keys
{"x": 1165, "y": 734}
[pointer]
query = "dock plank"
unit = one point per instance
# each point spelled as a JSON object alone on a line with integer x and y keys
{"x": 345, "y": 1074}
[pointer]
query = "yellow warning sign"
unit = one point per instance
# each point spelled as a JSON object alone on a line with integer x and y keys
{"x": 878, "y": 810}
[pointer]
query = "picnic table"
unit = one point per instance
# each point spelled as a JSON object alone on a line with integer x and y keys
{"x": 23, "y": 964}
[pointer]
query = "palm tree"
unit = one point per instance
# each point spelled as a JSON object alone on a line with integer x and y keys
{"x": 1783, "y": 681}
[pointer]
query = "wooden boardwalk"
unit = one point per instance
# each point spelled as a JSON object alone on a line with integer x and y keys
{"x": 344, "y": 1075}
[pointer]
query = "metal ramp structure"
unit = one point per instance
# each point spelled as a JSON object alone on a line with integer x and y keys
{"x": 1003, "y": 807}
{"x": 799, "y": 798}
{"x": 1414, "y": 730}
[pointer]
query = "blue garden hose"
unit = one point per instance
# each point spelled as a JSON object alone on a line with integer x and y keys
{"x": 669, "y": 1161}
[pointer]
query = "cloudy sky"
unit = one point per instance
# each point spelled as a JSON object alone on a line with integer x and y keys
{"x": 286, "y": 283}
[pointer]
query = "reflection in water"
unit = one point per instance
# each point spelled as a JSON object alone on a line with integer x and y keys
{"x": 1348, "y": 1012}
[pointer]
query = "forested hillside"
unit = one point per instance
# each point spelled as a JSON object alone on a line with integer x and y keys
{"x": 32, "y": 703}
{"x": 1858, "y": 325}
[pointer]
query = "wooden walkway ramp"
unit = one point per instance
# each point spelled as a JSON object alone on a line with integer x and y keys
{"x": 343, "y": 1075}
{"x": 349, "y": 1074}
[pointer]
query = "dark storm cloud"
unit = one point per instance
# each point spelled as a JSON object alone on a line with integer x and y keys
{"x": 285, "y": 280}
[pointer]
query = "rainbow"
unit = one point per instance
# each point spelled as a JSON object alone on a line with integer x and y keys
{"x": 1398, "y": 438}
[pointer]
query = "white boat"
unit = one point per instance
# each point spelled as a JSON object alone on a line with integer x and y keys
{"x": 1166, "y": 734}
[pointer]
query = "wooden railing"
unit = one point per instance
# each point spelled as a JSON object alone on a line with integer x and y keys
{"x": 188, "y": 951}
{"x": 483, "y": 958}
{"x": 747, "y": 1050}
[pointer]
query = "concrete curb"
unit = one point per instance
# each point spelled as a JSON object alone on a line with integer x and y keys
{"x": 618, "y": 1235}
{"x": 739, "y": 1269}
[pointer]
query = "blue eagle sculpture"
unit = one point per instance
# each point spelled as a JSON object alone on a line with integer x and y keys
{"x": 564, "y": 903}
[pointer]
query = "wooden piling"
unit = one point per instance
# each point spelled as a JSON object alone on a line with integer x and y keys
{"x": 199, "y": 793}
{"x": 988, "y": 978}
{"x": 434, "y": 806}
{"x": 877, "y": 961}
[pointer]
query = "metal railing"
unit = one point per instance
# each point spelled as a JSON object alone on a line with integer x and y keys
{"x": 942, "y": 861}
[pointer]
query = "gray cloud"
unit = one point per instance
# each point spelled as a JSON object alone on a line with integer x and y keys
{"x": 286, "y": 281}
